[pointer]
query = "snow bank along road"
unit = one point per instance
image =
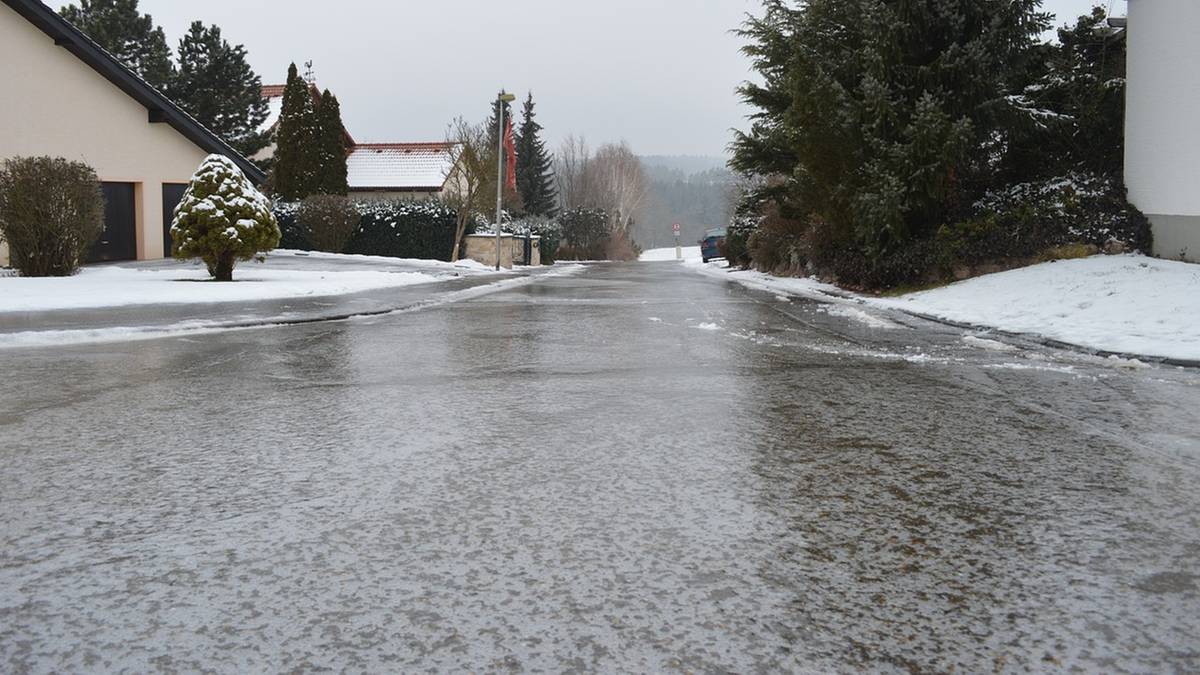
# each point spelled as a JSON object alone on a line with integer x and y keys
{"x": 287, "y": 274}
{"x": 164, "y": 298}
{"x": 634, "y": 468}
{"x": 1128, "y": 305}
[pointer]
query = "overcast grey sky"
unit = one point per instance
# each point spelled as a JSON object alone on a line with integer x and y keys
{"x": 658, "y": 73}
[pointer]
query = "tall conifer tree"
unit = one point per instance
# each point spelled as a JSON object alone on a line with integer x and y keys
{"x": 215, "y": 84}
{"x": 294, "y": 174}
{"x": 535, "y": 169}
{"x": 331, "y": 161}
{"x": 130, "y": 36}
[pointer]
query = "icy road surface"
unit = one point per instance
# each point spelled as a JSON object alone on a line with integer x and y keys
{"x": 636, "y": 468}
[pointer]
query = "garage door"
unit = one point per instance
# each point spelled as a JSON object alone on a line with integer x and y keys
{"x": 119, "y": 239}
{"x": 172, "y": 194}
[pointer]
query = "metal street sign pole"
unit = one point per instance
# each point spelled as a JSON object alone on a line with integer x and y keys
{"x": 678, "y": 246}
{"x": 499, "y": 168}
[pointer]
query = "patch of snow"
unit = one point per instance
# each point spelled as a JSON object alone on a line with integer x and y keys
{"x": 708, "y": 326}
{"x": 436, "y": 265}
{"x": 984, "y": 343}
{"x": 1129, "y": 304}
{"x": 690, "y": 254}
{"x": 114, "y": 286}
{"x": 859, "y": 315}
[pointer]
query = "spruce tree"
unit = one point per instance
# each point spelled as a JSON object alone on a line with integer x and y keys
{"x": 132, "y": 37}
{"x": 535, "y": 169}
{"x": 294, "y": 174}
{"x": 216, "y": 85}
{"x": 331, "y": 161}
{"x": 874, "y": 110}
{"x": 1073, "y": 109}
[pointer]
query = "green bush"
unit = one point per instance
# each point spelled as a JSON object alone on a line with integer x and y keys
{"x": 222, "y": 219}
{"x": 584, "y": 234}
{"x": 51, "y": 212}
{"x": 397, "y": 229}
{"x": 1025, "y": 220}
{"x": 331, "y": 221}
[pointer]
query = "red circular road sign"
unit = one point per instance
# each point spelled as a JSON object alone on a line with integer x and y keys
{"x": 677, "y": 228}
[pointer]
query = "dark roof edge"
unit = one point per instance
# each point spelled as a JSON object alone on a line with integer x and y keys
{"x": 159, "y": 108}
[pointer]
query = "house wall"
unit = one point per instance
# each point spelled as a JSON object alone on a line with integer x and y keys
{"x": 383, "y": 195}
{"x": 1162, "y": 134}
{"x": 56, "y": 105}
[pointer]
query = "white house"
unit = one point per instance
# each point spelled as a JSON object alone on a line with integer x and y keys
{"x": 66, "y": 97}
{"x": 400, "y": 170}
{"x": 1162, "y": 126}
{"x": 377, "y": 171}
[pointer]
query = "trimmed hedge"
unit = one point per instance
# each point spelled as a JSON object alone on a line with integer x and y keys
{"x": 398, "y": 229}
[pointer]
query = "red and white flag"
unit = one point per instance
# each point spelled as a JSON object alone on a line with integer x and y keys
{"x": 510, "y": 149}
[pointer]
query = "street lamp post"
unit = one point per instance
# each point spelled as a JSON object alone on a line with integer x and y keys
{"x": 501, "y": 99}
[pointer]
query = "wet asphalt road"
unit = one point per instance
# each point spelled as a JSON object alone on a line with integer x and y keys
{"x": 635, "y": 468}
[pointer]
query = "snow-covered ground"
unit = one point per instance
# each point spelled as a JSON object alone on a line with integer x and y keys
{"x": 1128, "y": 304}
{"x": 690, "y": 254}
{"x": 287, "y": 274}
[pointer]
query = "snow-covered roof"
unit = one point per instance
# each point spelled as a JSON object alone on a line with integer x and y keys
{"x": 273, "y": 93}
{"x": 399, "y": 166}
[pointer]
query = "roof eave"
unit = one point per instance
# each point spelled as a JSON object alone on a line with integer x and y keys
{"x": 159, "y": 108}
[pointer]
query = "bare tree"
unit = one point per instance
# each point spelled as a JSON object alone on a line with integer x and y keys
{"x": 617, "y": 184}
{"x": 571, "y": 172}
{"x": 471, "y": 181}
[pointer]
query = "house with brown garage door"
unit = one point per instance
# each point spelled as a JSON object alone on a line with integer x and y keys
{"x": 64, "y": 96}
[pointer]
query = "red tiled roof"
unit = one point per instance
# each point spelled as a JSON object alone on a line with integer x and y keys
{"x": 273, "y": 90}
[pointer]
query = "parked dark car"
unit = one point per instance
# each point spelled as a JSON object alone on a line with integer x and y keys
{"x": 710, "y": 246}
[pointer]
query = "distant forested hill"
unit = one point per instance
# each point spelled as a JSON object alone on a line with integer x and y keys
{"x": 693, "y": 191}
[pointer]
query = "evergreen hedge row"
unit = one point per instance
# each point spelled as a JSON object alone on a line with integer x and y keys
{"x": 398, "y": 229}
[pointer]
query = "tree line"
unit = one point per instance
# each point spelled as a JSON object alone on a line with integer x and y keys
{"x": 207, "y": 77}
{"x": 898, "y": 143}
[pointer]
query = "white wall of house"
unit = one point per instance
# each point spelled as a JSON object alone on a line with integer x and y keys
{"x": 54, "y": 104}
{"x": 394, "y": 195}
{"x": 1162, "y": 136}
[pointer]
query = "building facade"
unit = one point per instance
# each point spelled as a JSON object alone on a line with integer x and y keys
{"x": 1162, "y": 127}
{"x": 66, "y": 97}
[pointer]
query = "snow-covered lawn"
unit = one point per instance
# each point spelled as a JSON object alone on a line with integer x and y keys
{"x": 690, "y": 253}
{"x": 113, "y": 286}
{"x": 1127, "y": 304}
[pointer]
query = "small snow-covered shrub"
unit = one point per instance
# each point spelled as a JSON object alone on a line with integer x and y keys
{"x": 1025, "y": 220}
{"x": 330, "y": 221}
{"x": 51, "y": 212}
{"x": 735, "y": 248}
{"x": 222, "y": 219}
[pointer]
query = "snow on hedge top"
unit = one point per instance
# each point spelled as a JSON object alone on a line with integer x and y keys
{"x": 381, "y": 166}
{"x": 222, "y": 209}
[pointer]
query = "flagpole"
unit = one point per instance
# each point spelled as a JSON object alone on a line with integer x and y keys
{"x": 500, "y": 101}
